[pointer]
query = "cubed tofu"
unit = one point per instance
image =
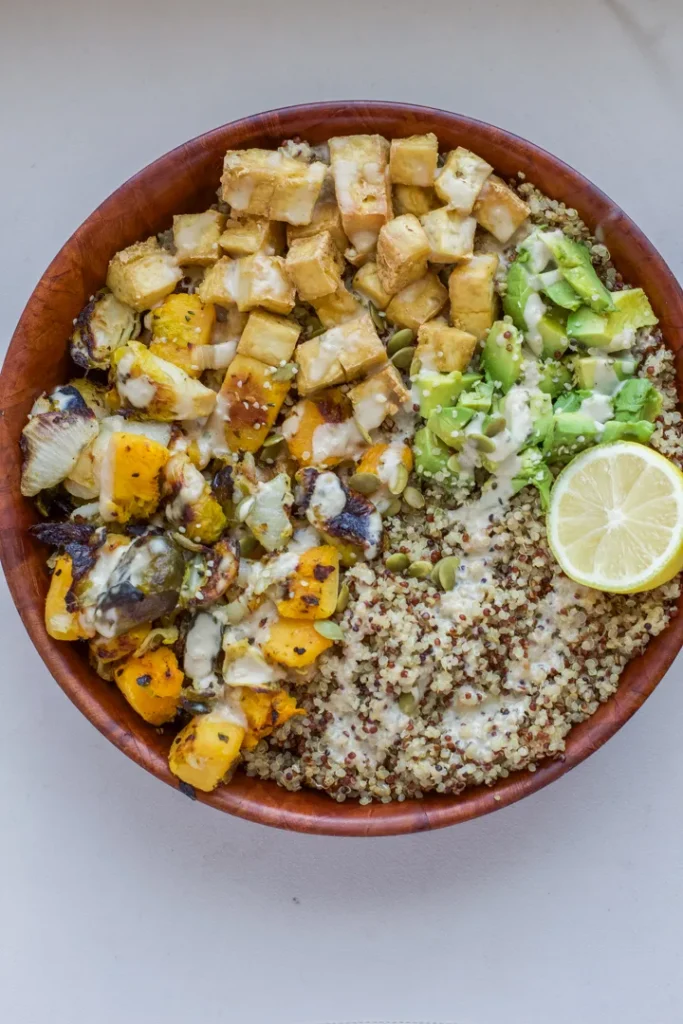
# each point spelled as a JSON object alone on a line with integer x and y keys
{"x": 206, "y": 749}
{"x": 377, "y": 397}
{"x": 157, "y": 387}
{"x": 337, "y": 307}
{"x": 450, "y": 234}
{"x": 368, "y": 283}
{"x": 295, "y": 643}
{"x": 313, "y": 588}
{"x": 250, "y": 400}
{"x": 243, "y": 236}
{"x": 220, "y": 282}
{"x": 473, "y": 296}
{"x": 195, "y": 236}
{"x": 130, "y": 486}
{"x": 327, "y": 408}
{"x": 267, "y": 183}
{"x": 420, "y": 301}
{"x": 499, "y": 210}
{"x": 180, "y": 324}
{"x": 412, "y": 161}
{"x": 263, "y": 281}
{"x": 326, "y": 217}
{"x": 314, "y": 264}
{"x": 443, "y": 348}
{"x": 361, "y": 179}
{"x": 342, "y": 353}
{"x": 402, "y": 251}
{"x": 271, "y": 339}
{"x": 459, "y": 181}
{"x": 151, "y": 683}
{"x": 415, "y": 200}
{"x": 143, "y": 274}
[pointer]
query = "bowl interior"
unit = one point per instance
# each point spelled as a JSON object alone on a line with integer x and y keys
{"x": 185, "y": 180}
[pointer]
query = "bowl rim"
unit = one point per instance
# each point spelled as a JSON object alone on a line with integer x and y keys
{"x": 264, "y": 802}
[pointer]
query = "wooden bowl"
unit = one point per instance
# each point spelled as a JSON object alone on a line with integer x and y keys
{"x": 185, "y": 180}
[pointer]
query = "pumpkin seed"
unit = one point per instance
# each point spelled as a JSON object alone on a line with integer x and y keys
{"x": 235, "y": 611}
{"x": 481, "y": 442}
{"x": 448, "y": 568}
{"x": 397, "y": 562}
{"x": 316, "y": 333}
{"x": 362, "y": 431}
{"x": 185, "y": 542}
{"x": 401, "y": 339}
{"x": 454, "y": 464}
{"x": 244, "y": 508}
{"x": 494, "y": 426}
{"x": 403, "y": 358}
{"x": 415, "y": 367}
{"x": 434, "y": 575}
{"x": 248, "y": 546}
{"x": 272, "y": 439}
{"x": 413, "y": 497}
{"x": 286, "y": 372}
{"x": 398, "y": 484}
{"x": 420, "y": 570}
{"x": 330, "y": 630}
{"x": 407, "y": 703}
{"x": 377, "y": 318}
{"x": 364, "y": 483}
{"x": 394, "y": 508}
{"x": 343, "y": 599}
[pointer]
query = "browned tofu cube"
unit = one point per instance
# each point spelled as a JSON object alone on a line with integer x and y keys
{"x": 195, "y": 236}
{"x": 472, "y": 294}
{"x": 219, "y": 284}
{"x": 314, "y": 264}
{"x": 420, "y": 301}
{"x": 361, "y": 179}
{"x": 142, "y": 274}
{"x": 450, "y": 234}
{"x": 411, "y": 199}
{"x": 368, "y": 283}
{"x": 263, "y": 281}
{"x": 412, "y": 161}
{"x": 402, "y": 251}
{"x": 341, "y": 354}
{"x": 379, "y": 396}
{"x": 268, "y": 183}
{"x": 499, "y": 210}
{"x": 443, "y": 348}
{"x": 271, "y": 339}
{"x": 326, "y": 217}
{"x": 243, "y": 236}
{"x": 337, "y": 307}
{"x": 459, "y": 181}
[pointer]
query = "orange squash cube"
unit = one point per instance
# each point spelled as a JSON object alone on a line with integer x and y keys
{"x": 151, "y": 684}
{"x": 295, "y": 643}
{"x": 314, "y": 587}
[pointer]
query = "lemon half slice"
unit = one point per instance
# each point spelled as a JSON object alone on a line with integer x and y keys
{"x": 615, "y": 521}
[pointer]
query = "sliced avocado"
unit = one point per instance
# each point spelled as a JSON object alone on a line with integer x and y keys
{"x": 633, "y": 310}
{"x": 558, "y": 290}
{"x": 479, "y": 399}
{"x": 571, "y": 401}
{"x": 570, "y": 433}
{"x": 553, "y": 332}
{"x": 431, "y": 455}
{"x": 533, "y": 470}
{"x": 574, "y": 260}
{"x": 554, "y": 378}
{"x": 534, "y": 253}
{"x": 519, "y": 289}
{"x": 600, "y": 373}
{"x": 589, "y": 328}
{"x": 637, "y": 399}
{"x": 448, "y": 425}
{"x": 502, "y": 355}
{"x": 618, "y": 430}
{"x": 541, "y": 409}
{"x": 441, "y": 389}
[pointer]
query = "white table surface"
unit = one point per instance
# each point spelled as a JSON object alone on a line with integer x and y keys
{"x": 121, "y": 900}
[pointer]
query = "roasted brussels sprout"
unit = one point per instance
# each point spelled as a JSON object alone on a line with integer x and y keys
{"x": 143, "y": 586}
{"x": 101, "y": 327}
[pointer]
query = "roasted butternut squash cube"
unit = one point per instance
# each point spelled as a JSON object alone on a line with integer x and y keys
{"x": 130, "y": 482}
{"x": 295, "y": 643}
{"x": 151, "y": 683}
{"x": 250, "y": 400}
{"x": 244, "y": 236}
{"x": 368, "y": 283}
{"x": 204, "y": 752}
{"x": 383, "y": 460}
{"x": 412, "y": 161}
{"x": 142, "y": 274}
{"x": 220, "y": 283}
{"x": 263, "y": 281}
{"x": 330, "y": 407}
{"x": 62, "y": 620}
{"x": 342, "y": 353}
{"x": 265, "y": 712}
{"x": 196, "y": 235}
{"x": 379, "y": 396}
{"x": 450, "y": 234}
{"x": 268, "y": 183}
{"x": 499, "y": 210}
{"x": 459, "y": 181}
{"x": 415, "y": 200}
{"x": 442, "y": 348}
{"x": 471, "y": 287}
{"x": 361, "y": 180}
{"x": 417, "y": 303}
{"x": 179, "y": 324}
{"x": 326, "y": 217}
{"x": 157, "y": 387}
{"x": 402, "y": 251}
{"x": 271, "y": 339}
{"x": 190, "y": 501}
{"x": 337, "y": 307}
{"x": 314, "y": 264}
{"x": 313, "y": 588}
{"x": 108, "y": 649}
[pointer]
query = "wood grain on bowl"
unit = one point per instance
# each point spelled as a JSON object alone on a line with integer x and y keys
{"x": 37, "y": 360}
